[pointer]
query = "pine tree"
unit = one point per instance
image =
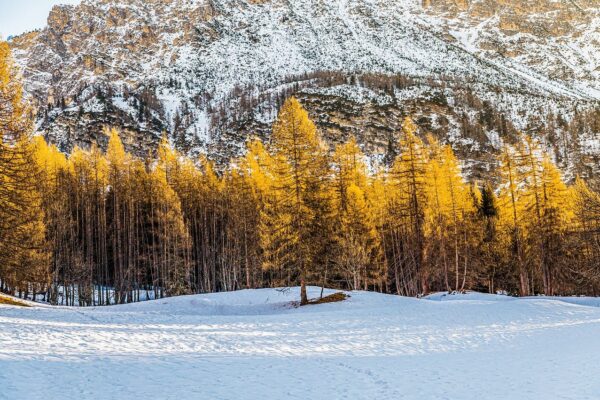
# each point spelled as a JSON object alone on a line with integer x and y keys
{"x": 490, "y": 253}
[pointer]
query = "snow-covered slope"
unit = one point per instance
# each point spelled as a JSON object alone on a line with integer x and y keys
{"x": 556, "y": 38}
{"x": 255, "y": 344}
{"x": 211, "y": 72}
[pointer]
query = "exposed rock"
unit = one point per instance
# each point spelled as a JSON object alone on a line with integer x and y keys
{"x": 211, "y": 73}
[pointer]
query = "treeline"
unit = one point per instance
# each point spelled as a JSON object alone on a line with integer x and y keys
{"x": 98, "y": 228}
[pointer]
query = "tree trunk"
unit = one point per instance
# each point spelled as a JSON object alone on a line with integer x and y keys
{"x": 303, "y": 295}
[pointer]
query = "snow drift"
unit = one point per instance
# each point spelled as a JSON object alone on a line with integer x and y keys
{"x": 256, "y": 344}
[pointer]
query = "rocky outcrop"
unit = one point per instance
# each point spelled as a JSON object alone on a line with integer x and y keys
{"x": 210, "y": 73}
{"x": 559, "y": 39}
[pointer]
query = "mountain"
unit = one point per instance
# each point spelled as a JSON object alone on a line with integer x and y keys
{"x": 210, "y": 73}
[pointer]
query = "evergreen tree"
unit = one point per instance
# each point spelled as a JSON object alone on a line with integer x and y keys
{"x": 490, "y": 249}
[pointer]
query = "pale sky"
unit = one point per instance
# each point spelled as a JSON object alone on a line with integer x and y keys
{"x": 18, "y": 16}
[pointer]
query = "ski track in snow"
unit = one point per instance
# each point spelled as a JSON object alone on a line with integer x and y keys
{"x": 254, "y": 344}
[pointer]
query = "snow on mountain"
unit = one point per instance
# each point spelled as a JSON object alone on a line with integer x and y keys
{"x": 256, "y": 344}
{"x": 558, "y": 38}
{"x": 211, "y": 72}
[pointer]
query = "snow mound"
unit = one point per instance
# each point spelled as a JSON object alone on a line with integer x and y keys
{"x": 243, "y": 302}
{"x": 256, "y": 344}
{"x": 485, "y": 297}
{"x": 468, "y": 296}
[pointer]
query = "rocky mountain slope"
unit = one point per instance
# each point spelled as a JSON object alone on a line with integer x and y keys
{"x": 210, "y": 73}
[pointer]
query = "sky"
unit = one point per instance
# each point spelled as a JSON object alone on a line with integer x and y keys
{"x": 19, "y": 16}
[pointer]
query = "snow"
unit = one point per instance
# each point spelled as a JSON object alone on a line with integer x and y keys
{"x": 354, "y": 93}
{"x": 260, "y": 44}
{"x": 207, "y": 62}
{"x": 255, "y": 344}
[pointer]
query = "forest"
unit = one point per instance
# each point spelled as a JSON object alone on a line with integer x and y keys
{"x": 98, "y": 228}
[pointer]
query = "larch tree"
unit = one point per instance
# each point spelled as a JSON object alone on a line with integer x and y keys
{"x": 259, "y": 169}
{"x": 243, "y": 215}
{"x": 171, "y": 243}
{"x": 407, "y": 208}
{"x": 512, "y": 212}
{"x": 119, "y": 214}
{"x": 448, "y": 208}
{"x": 558, "y": 214}
{"x": 586, "y": 270}
{"x": 56, "y": 184}
{"x": 548, "y": 209}
{"x": 300, "y": 173}
{"x": 357, "y": 239}
{"x": 96, "y": 228}
{"x": 24, "y": 255}
{"x": 377, "y": 196}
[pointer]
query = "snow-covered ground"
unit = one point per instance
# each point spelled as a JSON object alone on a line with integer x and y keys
{"x": 255, "y": 345}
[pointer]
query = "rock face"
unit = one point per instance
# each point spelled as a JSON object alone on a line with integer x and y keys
{"x": 210, "y": 73}
{"x": 559, "y": 39}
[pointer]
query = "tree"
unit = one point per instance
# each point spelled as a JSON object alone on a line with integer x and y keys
{"x": 447, "y": 209}
{"x": 549, "y": 208}
{"x": 407, "y": 207}
{"x": 101, "y": 228}
{"x": 586, "y": 268}
{"x": 23, "y": 248}
{"x": 356, "y": 235}
{"x": 536, "y": 209}
{"x": 511, "y": 206}
{"x": 300, "y": 173}
{"x": 490, "y": 246}
{"x": 171, "y": 242}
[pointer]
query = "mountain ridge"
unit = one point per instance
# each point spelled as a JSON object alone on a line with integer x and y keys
{"x": 212, "y": 73}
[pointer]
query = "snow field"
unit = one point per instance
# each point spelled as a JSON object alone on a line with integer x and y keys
{"x": 254, "y": 344}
